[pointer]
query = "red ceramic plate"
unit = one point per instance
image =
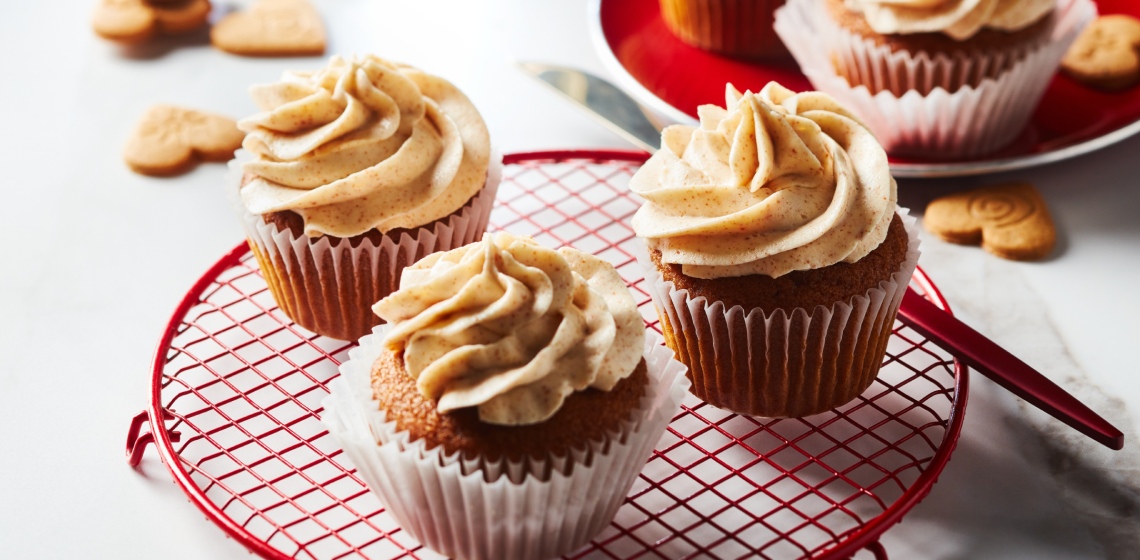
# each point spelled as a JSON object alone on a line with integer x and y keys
{"x": 674, "y": 78}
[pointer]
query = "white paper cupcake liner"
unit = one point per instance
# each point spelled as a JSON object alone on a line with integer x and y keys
{"x": 330, "y": 289}
{"x": 472, "y": 509}
{"x": 782, "y": 364}
{"x": 905, "y": 113}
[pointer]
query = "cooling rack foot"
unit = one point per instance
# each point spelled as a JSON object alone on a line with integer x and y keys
{"x": 138, "y": 440}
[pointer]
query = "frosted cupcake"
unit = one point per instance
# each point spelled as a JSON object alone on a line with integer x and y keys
{"x": 352, "y": 172}
{"x": 777, "y": 256}
{"x": 508, "y": 404}
{"x": 739, "y": 28}
{"x": 935, "y": 78}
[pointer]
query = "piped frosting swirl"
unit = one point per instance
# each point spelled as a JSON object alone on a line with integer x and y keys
{"x": 959, "y": 19}
{"x": 512, "y": 327}
{"x": 773, "y": 183}
{"x": 363, "y": 144}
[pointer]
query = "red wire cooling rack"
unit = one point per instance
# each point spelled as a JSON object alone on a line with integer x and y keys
{"x": 236, "y": 392}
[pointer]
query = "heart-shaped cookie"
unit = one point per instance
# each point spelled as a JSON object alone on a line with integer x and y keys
{"x": 132, "y": 21}
{"x": 1009, "y": 220}
{"x": 272, "y": 28}
{"x": 168, "y": 140}
{"x": 1107, "y": 54}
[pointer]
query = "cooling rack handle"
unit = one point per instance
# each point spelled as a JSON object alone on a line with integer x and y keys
{"x": 138, "y": 440}
{"x": 1005, "y": 369}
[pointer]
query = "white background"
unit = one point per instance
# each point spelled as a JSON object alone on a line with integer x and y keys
{"x": 95, "y": 258}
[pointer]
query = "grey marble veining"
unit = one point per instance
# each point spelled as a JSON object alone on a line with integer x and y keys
{"x": 1095, "y": 488}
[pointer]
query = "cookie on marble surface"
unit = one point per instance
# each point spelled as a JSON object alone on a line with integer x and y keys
{"x": 272, "y": 28}
{"x": 1009, "y": 220}
{"x": 169, "y": 140}
{"x": 1107, "y": 54}
{"x": 134, "y": 21}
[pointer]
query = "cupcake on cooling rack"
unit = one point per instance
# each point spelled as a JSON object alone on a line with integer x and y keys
{"x": 777, "y": 257}
{"x": 739, "y": 28}
{"x": 510, "y": 401}
{"x": 349, "y": 174}
{"x": 935, "y": 78}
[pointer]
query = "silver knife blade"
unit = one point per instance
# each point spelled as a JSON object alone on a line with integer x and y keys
{"x": 603, "y": 101}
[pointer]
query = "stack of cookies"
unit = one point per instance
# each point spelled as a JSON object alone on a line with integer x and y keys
{"x": 268, "y": 28}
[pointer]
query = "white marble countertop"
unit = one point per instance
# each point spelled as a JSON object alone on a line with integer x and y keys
{"x": 97, "y": 257}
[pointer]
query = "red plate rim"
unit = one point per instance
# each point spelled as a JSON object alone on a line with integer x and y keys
{"x": 864, "y": 538}
{"x": 642, "y": 93}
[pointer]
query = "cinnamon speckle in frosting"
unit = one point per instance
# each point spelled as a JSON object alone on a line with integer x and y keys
{"x": 959, "y": 19}
{"x": 363, "y": 144}
{"x": 785, "y": 182}
{"x": 512, "y": 328}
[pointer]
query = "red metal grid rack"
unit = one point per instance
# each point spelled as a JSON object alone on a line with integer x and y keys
{"x": 236, "y": 391}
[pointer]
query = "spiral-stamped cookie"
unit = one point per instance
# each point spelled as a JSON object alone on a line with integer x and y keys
{"x": 1009, "y": 220}
{"x": 1107, "y": 54}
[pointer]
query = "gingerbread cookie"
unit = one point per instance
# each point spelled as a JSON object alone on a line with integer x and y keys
{"x": 272, "y": 28}
{"x": 1009, "y": 220}
{"x": 133, "y": 21}
{"x": 168, "y": 140}
{"x": 1107, "y": 54}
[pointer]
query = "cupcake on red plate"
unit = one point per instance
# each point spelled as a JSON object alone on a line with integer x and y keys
{"x": 738, "y": 28}
{"x": 777, "y": 256}
{"x": 935, "y": 78}
{"x": 509, "y": 402}
{"x": 352, "y": 172}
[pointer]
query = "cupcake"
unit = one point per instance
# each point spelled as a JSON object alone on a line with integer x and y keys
{"x": 777, "y": 256}
{"x": 509, "y": 402}
{"x": 739, "y": 28}
{"x": 353, "y": 172}
{"x": 935, "y": 78}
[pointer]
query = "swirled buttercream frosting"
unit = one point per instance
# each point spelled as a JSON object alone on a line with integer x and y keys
{"x": 959, "y": 19}
{"x": 774, "y": 182}
{"x": 512, "y": 327}
{"x": 363, "y": 144}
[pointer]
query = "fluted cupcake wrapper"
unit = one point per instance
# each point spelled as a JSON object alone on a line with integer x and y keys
{"x": 908, "y": 105}
{"x": 734, "y": 27}
{"x": 475, "y": 509}
{"x": 781, "y": 364}
{"x": 330, "y": 289}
